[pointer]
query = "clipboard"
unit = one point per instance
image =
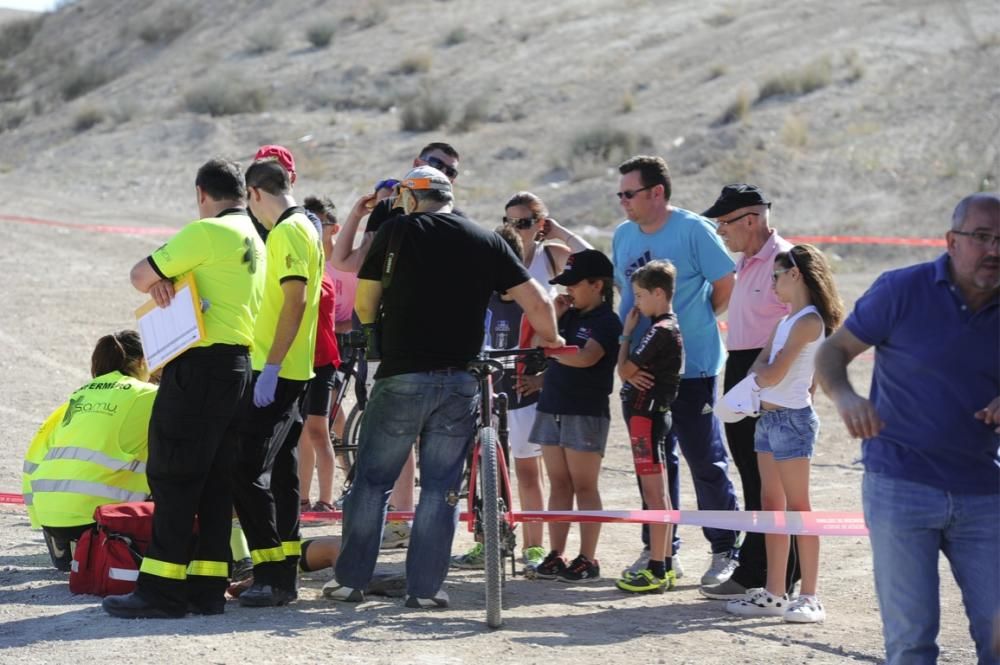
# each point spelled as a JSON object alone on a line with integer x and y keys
{"x": 169, "y": 331}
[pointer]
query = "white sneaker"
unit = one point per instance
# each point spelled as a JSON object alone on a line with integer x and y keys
{"x": 722, "y": 568}
{"x": 758, "y": 602}
{"x": 678, "y": 569}
{"x": 805, "y": 609}
{"x": 395, "y": 534}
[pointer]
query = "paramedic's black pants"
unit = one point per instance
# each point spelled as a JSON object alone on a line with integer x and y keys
{"x": 266, "y": 484}
{"x": 192, "y": 437}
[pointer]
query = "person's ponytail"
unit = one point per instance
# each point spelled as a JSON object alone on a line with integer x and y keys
{"x": 119, "y": 352}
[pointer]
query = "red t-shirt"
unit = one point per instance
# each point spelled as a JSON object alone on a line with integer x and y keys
{"x": 327, "y": 352}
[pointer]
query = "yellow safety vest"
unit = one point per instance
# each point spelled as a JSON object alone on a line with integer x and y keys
{"x": 91, "y": 451}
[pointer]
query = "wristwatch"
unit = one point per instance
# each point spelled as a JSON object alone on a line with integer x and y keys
{"x": 624, "y": 338}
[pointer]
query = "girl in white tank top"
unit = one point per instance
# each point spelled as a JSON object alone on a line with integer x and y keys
{"x": 788, "y": 427}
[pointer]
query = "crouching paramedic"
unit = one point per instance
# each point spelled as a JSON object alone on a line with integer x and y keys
{"x": 192, "y": 432}
{"x": 92, "y": 450}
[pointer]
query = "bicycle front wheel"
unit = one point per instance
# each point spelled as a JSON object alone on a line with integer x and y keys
{"x": 488, "y": 475}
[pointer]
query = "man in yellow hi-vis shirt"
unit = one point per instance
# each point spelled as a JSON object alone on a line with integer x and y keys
{"x": 266, "y": 484}
{"x": 192, "y": 431}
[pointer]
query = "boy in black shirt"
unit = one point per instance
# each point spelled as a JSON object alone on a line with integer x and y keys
{"x": 650, "y": 377}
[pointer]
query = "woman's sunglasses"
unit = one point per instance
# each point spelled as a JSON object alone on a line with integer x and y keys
{"x": 520, "y": 223}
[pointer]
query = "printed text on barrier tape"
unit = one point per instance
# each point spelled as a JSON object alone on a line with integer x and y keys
{"x": 166, "y": 231}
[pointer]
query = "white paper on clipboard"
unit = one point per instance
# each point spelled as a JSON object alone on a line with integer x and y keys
{"x": 166, "y": 332}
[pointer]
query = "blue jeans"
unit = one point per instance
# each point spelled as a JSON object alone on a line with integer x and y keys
{"x": 909, "y": 524}
{"x": 700, "y": 438}
{"x": 438, "y": 409}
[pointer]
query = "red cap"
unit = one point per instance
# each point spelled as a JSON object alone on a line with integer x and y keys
{"x": 281, "y": 153}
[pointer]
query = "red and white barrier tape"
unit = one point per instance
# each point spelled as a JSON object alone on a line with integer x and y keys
{"x": 867, "y": 240}
{"x": 816, "y": 523}
{"x": 95, "y": 228}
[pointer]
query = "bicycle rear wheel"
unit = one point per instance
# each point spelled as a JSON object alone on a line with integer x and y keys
{"x": 491, "y": 525}
{"x": 352, "y": 428}
{"x": 347, "y": 449}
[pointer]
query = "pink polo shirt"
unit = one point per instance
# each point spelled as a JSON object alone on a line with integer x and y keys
{"x": 345, "y": 284}
{"x": 754, "y": 310}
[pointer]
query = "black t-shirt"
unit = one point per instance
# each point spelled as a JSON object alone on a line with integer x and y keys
{"x": 503, "y": 331}
{"x": 433, "y": 310}
{"x": 583, "y": 391}
{"x": 661, "y": 353}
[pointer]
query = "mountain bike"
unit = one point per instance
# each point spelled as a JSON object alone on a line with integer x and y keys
{"x": 489, "y": 497}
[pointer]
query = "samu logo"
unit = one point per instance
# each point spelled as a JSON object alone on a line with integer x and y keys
{"x": 80, "y": 405}
{"x": 646, "y": 257}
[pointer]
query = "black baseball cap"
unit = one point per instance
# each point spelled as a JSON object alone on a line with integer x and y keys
{"x": 588, "y": 264}
{"x": 734, "y": 197}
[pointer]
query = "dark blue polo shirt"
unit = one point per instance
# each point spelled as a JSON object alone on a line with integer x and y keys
{"x": 936, "y": 364}
{"x": 583, "y": 391}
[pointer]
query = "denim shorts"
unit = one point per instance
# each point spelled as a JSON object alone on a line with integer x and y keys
{"x": 585, "y": 434}
{"x": 787, "y": 433}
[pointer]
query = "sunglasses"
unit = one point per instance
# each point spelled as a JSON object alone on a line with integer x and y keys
{"x": 446, "y": 169}
{"x": 520, "y": 223}
{"x": 727, "y": 222}
{"x": 630, "y": 193}
{"x": 778, "y": 273}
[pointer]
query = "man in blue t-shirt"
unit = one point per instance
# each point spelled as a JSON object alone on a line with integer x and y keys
{"x": 657, "y": 230}
{"x": 931, "y": 447}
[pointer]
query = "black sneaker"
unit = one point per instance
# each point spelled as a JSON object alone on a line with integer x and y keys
{"x": 440, "y": 600}
{"x": 581, "y": 569}
{"x": 265, "y": 595}
{"x": 550, "y": 568}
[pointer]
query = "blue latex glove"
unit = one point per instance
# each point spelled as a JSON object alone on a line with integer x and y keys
{"x": 263, "y": 391}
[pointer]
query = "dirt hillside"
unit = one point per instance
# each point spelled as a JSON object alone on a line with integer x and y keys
{"x": 855, "y": 116}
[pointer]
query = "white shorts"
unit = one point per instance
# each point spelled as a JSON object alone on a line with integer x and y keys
{"x": 519, "y": 422}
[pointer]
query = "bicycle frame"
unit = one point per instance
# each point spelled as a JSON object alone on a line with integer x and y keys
{"x": 490, "y": 405}
{"x": 489, "y": 499}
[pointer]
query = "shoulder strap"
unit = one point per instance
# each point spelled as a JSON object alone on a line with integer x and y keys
{"x": 552, "y": 261}
{"x": 391, "y": 254}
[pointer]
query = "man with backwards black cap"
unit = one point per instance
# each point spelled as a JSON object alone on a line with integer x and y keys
{"x": 742, "y": 214}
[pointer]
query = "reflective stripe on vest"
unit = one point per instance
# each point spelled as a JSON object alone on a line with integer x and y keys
{"x": 271, "y": 555}
{"x": 29, "y": 500}
{"x": 171, "y": 571}
{"x": 128, "y": 574}
{"x": 208, "y": 568}
{"x": 94, "y": 456}
{"x": 29, "y": 467}
{"x": 84, "y": 487}
{"x": 291, "y": 547}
